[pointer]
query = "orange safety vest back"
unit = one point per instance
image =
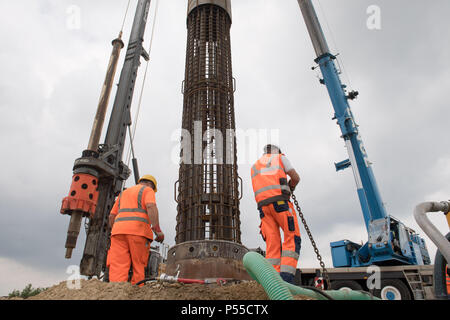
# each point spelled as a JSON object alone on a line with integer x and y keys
{"x": 269, "y": 180}
{"x": 132, "y": 217}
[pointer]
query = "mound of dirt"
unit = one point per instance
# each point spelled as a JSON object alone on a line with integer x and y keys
{"x": 99, "y": 290}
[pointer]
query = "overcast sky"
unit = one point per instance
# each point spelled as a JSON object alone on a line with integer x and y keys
{"x": 52, "y": 69}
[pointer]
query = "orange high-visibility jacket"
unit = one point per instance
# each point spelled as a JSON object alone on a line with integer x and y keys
{"x": 132, "y": 217}
{"x": 269, "y": 180}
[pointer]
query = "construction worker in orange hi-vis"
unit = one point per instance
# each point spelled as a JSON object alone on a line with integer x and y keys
{"x": 134, "y": 219}
{"x": 272, "y": 194}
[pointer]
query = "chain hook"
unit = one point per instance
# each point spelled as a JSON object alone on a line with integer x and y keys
{"x": 313, "y": 243}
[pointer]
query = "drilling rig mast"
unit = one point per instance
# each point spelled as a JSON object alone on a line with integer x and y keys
{"x": 99, "y": 174}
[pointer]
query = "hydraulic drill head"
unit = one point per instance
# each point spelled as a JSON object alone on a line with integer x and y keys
{"x": 81, "y": 202}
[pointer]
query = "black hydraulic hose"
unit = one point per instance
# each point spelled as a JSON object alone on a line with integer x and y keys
{"x": 135, "y": 170}
{"x": 370, "y": 294}
{"x": 440, "y": 276}
{"x": 321, "y": 292}
{"x": 145, "y": 280}
{"x": 135, "y": 164}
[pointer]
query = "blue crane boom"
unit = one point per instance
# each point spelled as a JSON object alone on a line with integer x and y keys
{"x": 390, "y": 241}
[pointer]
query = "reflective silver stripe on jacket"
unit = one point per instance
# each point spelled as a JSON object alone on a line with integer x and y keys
{"x": 141, "y": 192}
{"x": 133, "y": 210}
{"x": 139, "y": 208}
{"x": 264, "y": 170}
{"x": 290, "y": 254}
{"x": 132, "y": 219}
{"x": 288, "y": 269}
{"x": 267, "y": 168}
{"x": 272, "y": 187}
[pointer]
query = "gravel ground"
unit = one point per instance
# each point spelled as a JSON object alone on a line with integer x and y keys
{"x": 98, "y": 290}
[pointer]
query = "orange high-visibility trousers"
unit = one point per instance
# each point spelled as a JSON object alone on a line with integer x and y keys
{"x": 283, "y": 256}
{"x": 128, "y": 250}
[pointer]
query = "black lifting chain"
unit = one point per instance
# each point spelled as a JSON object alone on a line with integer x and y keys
{"x": 313, "y": 243}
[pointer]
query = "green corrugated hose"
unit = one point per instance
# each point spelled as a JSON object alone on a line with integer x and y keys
{"x": 260, "y": 270}
{"x": 277, "y": 289}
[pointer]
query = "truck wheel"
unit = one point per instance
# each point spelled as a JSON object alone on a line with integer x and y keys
{"x": 393, "y": 289}
{"x": 345, "y": 285}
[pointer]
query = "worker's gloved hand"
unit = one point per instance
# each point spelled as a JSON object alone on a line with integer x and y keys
{"x": 291, "y": 186}
{"x": 159, "y": 234}
{"x": 159, "y": 237}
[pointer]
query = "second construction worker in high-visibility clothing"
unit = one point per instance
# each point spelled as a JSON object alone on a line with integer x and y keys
{"x": 134, "y": 219}
{"x": 272, "y": 193}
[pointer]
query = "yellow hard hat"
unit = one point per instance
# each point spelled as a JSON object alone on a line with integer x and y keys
{"x": 149, "y": 178}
